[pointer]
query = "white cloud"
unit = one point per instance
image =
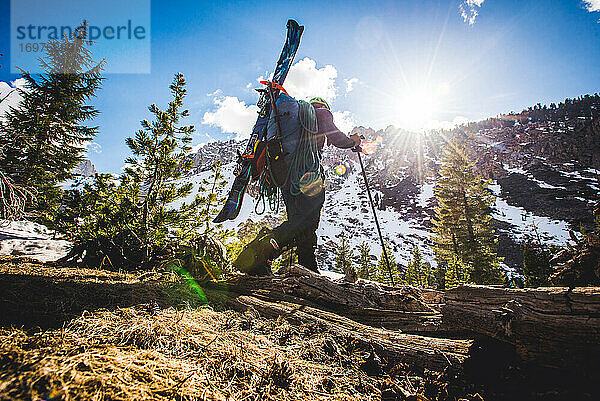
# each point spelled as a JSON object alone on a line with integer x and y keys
{"x": 196, "y": 148}
{"x": 592, "y": 5}
{"x": 344, "y": 120}
{"x": 232, "y": 116}
{"x": 215, "y": 93}
{"x": 469, "y": 10}
{"x": 305, "y": 80}
{"x": 93, "y": 147}
{"x": 350, "y": 84}
{"x": 19, "y": 83}
{"x": 9, "y": 93}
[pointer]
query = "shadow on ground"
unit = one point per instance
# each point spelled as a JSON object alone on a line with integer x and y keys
{"x": 36, "y": 295}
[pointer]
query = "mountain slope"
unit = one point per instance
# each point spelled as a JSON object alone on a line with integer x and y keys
{"x": 543, "y": 164}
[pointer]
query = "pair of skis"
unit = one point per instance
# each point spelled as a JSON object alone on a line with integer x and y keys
{"x": 233, "y": 204}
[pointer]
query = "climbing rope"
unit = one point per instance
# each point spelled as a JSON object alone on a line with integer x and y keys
{"x": 305, "y": 166}
{"x": 267, "y": 191}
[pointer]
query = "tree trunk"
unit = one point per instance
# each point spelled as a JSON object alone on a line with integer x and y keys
{"x": 423, "y": 352}
{"x": 550, "y": 327}
{"x": 398, "y": 308}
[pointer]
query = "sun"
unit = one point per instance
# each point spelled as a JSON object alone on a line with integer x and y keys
{"x": 415, "y": 109}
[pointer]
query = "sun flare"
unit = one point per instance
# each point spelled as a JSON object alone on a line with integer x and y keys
{"x": 415, "y": 110}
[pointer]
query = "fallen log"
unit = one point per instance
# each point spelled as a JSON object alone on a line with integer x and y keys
{"x": 299, "y": 282}
{"x": 407, "y": 322}
{"x": 423, "y": 352}
{"x": 366, "y": 302}
{"x": 550, "y": 327}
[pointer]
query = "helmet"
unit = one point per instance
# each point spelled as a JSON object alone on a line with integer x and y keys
{"x": 320, "y": 100}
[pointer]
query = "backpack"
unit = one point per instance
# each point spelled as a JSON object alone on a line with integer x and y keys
{"x": 290, "y": 140}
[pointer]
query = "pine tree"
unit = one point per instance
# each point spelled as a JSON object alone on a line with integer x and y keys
{"x": 133, "y": 221}
{"x": 383, "y": 275}
{"x": 457, "y": 273}
{"x": 210, "y": 187}
{"x": 463, "y": 227}
{"x": 537, "y": 267}
{"x": 159, "y": 158}
{"x": 439, "y": 277}
{"x": 343, "y": 258}
{"x": 429, "y": 275}
{"x": 12, "y": 199}
{"x": 415, "y": 275}
{"x": 366, "y": 265}
{"x": 44, "y": 138}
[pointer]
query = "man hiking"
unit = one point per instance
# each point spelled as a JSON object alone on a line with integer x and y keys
{"x": 303, "y": 205}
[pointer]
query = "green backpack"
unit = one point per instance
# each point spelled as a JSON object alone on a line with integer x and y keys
{"x": 292, "y": 151}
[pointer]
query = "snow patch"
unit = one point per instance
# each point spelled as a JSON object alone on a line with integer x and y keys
{"x": 540, "y": 183}
{"x": 524, "y": 222}
{"x": 25, "y": 238}
{"x": 426, "y": 194}
{"x": 347, "y": 210}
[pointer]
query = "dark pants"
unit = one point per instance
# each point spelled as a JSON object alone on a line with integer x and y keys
{"x": 303, "y": 215}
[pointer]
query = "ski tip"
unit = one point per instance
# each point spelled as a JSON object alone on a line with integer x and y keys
{"x": 224, "y": 215}
{"x": 230, "y": 211}
{"x": 293, "y": 23}
{"x": 218, "y": 219}
{"x": 235, "y": 213}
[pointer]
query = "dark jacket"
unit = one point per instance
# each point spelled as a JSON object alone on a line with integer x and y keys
{"x": 327, "y": 129}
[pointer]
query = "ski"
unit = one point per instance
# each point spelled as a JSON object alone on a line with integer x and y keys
{"x": 233, "y": 204}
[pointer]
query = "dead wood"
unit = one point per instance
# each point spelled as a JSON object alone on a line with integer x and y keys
{"x": 424, "y": 352}
{"x": 401, "y": 308}
{"x": 551, "y": 327}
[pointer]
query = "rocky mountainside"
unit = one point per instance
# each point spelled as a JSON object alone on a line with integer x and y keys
{"x": 85, "y": 169}
{"x": 544, "y": 167}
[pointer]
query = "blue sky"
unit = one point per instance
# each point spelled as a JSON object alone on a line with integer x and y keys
{"x": 417, "y": 64}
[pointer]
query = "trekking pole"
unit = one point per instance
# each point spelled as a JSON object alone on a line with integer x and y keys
{"x": 357, "y": 149}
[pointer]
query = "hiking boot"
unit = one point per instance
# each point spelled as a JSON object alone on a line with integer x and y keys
{"x": 306, "y": 251}
{"x": 309, "y": 261}
{"x": 255, "y": 259}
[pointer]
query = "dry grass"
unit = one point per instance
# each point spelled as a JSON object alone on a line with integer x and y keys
{"x": 137, "y": 347}
{"x": 34, "y": 294}
{"x": 144, "y": 341}
{"x": 21, "y": 265}
{"x": 142, "y": 353}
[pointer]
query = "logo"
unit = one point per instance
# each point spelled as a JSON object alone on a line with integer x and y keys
{"x": 118, "y": 32}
